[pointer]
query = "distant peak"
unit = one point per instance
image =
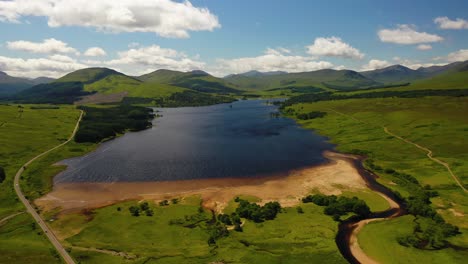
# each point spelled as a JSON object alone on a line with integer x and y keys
{"x": 198, "y": 72}
{"x": 3, "y": 73}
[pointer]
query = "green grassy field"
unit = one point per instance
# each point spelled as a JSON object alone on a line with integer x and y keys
{"x": 290, "y": 238}
{"x": 378, "y": 239}
{"x": 120, "y": 83}
{"x": 25, "y": 133}
{"x": 438, "y": 123}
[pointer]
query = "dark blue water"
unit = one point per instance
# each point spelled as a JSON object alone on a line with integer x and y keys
{"x": 202, "y": 142}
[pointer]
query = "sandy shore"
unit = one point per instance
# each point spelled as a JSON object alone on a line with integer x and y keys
{"x": 331, "y": 178}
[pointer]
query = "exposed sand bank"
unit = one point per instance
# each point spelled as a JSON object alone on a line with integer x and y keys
{"x": 329, "y": 178}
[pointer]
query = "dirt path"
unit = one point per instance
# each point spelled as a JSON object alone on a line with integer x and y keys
{"x": 429, "y": 155}
{"x": 106, "y": 251}
{"x": 429, "y": 152}
{"x": 48, "y": 232}
{"x": 9, "y": 217}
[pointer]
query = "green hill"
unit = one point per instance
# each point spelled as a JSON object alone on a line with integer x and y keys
{"x": 88, "y": 75}
{"x": 195, "y": 80}
{"x": 102, "y": 85}
{"x": 10, "y": 85}
{"x": 456, "y": 77}
{"x": 327, "y": 79}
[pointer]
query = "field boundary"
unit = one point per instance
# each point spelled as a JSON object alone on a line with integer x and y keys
{"x": 47, "y": 231}
{"x": 428, "y": 154}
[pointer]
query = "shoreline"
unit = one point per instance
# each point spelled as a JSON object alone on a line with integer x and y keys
{"x": 337, "y": 173}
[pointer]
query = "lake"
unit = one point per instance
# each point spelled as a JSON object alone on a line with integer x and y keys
{"x": 227, "y": 140}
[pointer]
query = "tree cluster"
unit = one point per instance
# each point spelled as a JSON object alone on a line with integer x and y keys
{"x": 142, "y": 208}
{"x": 328, "y": 96}
{"x": 339, "y": 206}
{"x": 311, "y": 115}
{"x": 101, "y": 123}
{"x": 257, "y": 213}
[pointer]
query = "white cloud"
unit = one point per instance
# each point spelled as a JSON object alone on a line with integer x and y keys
{"x": 415, "y": 64}
{"x": 133, "y": 45}
{"x": 52, "y": 66}
{"x": 166, "y": 18}
{"x": 460, "y": 55}
{"x": 446, "y": 23}
{"x": 334, "y": 47}
{"x": 424, "y": 47}
{"x": 46, "y": 46}
{"x": 154, "y": 57}
{"x": 406, "y": 34}
{"x": 271, "y": 60}
{"x": 95, "y": 52}
{"x": 375, "y": 64}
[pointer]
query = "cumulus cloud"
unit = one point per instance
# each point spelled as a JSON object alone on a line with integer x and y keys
{"x": 406, "y": 34}
{"x": 424, "y": 47}
{"x": 446, "y": 23}
{"x": 166, "y": 18}
{"x": 271, "y": 60}
{"x": 415, "y": 64}
{"x": 95, "y": 52}
{"x": 333, "y": 47}
{"x": 137, "y": 60}
{"x": 52, "y": 66}
{"x": 460, "y": 55}
{"x": 375, "y": 64}
{"x": 46, "y": 46}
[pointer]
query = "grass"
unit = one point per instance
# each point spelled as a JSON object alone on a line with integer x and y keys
{"x": 290, "y": 238}
{"x": 378, "y": 239}
{"x": 120, "y": 83}
{"x": 448, "y": 80}
{"x": 438, "y": 123}
{"x": 25, "y": 133}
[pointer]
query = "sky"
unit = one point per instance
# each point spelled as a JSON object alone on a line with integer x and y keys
{"x": 221, "y": 37}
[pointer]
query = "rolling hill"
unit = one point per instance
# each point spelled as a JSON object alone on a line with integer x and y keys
{"x": 195, "y": 80}
{"x": 11, "y": 85}
{"x": 327, "y": 79}
{"x": 103, "y": 85}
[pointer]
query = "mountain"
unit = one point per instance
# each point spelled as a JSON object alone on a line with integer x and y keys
{"x": 400, "y": 74}
{"x": 11, "y": 85}
{"x": 394, "y": 74}
{"x": 40, "y": 80}
{"x": 194, "y": 80}
{"x": 255, "y": 74}
{"x": 103, "y": 85}
{"x": 327, "y": 79}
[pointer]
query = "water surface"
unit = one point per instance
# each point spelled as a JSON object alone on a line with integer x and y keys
{"x": 202, "y": 142}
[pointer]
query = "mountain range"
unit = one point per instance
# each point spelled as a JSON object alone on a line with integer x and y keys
{"x": 94, "y": 85}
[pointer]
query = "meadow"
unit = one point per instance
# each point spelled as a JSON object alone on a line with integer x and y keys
{"x": 437, "y": 123}
{"x": 26, "y": 132}
{"x": 291, "y": 237}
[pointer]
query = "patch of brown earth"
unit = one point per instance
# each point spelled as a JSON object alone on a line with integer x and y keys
{"x": 99, "y": 98}
{"x": 330, "y": 178}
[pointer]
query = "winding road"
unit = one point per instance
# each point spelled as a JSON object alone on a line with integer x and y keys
{"x": 48, "y": 232}
{"x": 352, "y": 251}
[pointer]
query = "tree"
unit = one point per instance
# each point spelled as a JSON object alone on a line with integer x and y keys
{"x": 2, "y": 175}
{"x": 149, "y": 212}
{"x": 134, "y": 210}
{"x": 164, "y": 203}
{"x": 299, "y": 210}
{"x": 144, "y": 206}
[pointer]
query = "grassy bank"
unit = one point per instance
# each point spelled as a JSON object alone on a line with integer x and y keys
{"x": 27, "y": 131}
{"x": 291, "y": 237}
{"x": 438, "y": 123}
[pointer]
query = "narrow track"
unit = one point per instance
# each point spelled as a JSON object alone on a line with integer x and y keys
{"x": 30, "y": 209}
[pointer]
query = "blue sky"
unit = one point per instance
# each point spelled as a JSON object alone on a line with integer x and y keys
{"x": 51, "y": 37}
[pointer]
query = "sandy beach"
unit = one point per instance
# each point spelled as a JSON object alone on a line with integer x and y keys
{"x": 330, "y": 178}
